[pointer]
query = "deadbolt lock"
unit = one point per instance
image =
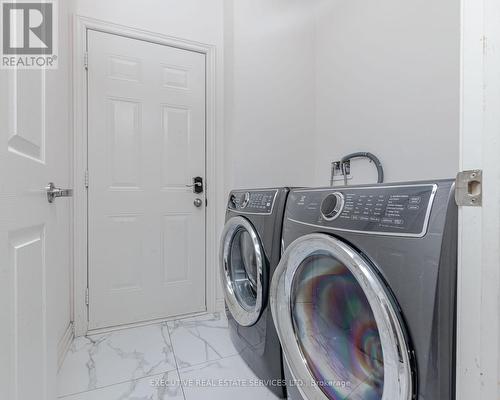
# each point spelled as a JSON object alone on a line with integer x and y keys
{"x": 197, "y": 185}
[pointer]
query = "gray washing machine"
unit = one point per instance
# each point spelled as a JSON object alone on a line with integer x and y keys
{"x": 249, "y": 255}
{"x": 364, "y": 296}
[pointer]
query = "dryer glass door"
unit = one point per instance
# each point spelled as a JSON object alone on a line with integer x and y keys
{"x": 242, "y": 263}
{"x": 340, "y": 329}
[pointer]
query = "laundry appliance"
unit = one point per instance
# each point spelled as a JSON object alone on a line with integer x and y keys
{"x": 250, "y": 251}
{"x": 364, "y": 297}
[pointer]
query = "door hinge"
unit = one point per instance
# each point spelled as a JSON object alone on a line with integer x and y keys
{"x": 469, "y": 188}
{"x": 86, "y": 60}
{"x": 87, "y": 296}
{"x": 86, "y": 179}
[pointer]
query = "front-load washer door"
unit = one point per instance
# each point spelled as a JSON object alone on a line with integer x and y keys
{"x": 340, "y": 328}
{"x": 242, "y": 263}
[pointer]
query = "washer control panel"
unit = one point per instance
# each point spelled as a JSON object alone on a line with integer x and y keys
{"x": 395, "y": 210}
{"x": 252, "y": 202}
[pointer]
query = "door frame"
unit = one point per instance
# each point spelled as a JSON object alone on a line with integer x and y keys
{"x": 478, "y": 332}
{"x": 213, "y": 156}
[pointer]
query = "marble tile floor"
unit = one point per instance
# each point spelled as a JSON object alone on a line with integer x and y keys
{"x": 185, "y": 359}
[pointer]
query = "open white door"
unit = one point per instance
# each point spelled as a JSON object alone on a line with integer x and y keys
{"x": 34, "y": 234}
{"x": 478, "y": 371}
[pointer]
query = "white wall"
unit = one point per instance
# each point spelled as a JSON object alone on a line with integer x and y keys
{"x": 269, "y": 96}
{"x": 387, "y": 82}
{"x": 196, "y": 20}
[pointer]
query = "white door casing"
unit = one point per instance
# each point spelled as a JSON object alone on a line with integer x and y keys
{"x": 34, "y": 239}
{"x": 146, "y": 141}
{"x": 478, "y": 336}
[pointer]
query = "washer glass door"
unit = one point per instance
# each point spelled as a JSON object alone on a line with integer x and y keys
{"x": 341, "y": 334}
{"x": 242, "y": 263}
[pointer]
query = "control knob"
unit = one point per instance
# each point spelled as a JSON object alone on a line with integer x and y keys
{"x": 332, "y": 206}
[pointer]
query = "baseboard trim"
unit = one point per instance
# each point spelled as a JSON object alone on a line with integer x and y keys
{"x": 100, "y": 331}
{"x": 64, "y": 344}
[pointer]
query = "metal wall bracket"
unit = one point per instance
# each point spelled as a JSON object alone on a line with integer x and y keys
{"x": 469, "y": 188}
{"x": 340, "y": 172}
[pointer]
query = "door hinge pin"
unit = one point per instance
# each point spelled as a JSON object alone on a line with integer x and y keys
{"x": 86, "y": 181}
{"x": 87, "y": 296}
{"x": 86, "y": 60}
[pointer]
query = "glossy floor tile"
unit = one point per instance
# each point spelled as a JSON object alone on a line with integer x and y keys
{"x": 201, "y": 339}
{"x": 97, "y": 361}
{"x": 223, "y": 379}
{"x": 159, "y": 387}
{"x": 192, "y": 358}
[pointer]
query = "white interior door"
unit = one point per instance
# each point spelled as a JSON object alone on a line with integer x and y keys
{"x": 146, "y": 142}
{"x": 34, "y": 235}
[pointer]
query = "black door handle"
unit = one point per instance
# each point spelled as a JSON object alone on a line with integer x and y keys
{"x": 197, "y": 185}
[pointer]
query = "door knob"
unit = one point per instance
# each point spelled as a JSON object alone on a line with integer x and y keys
{"x": 198, "y": 202}
{"x": 53, "y": 192}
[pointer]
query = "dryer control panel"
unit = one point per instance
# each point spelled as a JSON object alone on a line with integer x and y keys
{"x": 252, "y": 202}
{"x": 387, "y": 210}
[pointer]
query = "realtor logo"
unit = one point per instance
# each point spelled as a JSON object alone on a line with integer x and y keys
{"x": 29, "y": 34}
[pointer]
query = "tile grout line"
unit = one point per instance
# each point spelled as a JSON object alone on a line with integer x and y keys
{"x": 198, "y": 364}
{"x": 175, "y": 359}
{"x": 199, "y": 336}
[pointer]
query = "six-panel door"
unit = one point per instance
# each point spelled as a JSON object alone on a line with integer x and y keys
{"x": 146, "y": 142}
